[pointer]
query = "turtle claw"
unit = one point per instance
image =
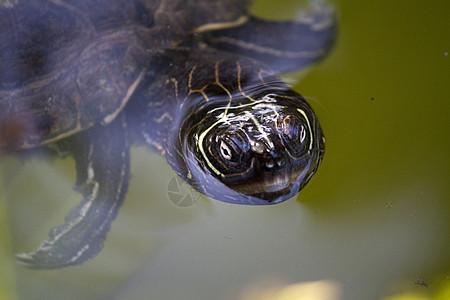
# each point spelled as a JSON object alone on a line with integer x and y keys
{"x": 26, "y": 259}
{"x": 74, "y": 242}
{"x": 30, "y": 261}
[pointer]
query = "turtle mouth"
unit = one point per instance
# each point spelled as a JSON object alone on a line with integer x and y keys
{"x": 277, "y": 183}
{"x": 274, "y": 188}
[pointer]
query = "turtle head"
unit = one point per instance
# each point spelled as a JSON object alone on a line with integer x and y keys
{"x": 260, "y": 148}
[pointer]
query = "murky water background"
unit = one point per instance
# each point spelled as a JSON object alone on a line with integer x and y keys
{"x": 375, "y": 219}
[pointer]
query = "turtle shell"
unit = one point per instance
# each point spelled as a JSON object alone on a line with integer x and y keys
{"x": 67, "y": 65}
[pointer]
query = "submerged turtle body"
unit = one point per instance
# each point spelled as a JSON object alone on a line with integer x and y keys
{"x": 195, "y": 80}
{"x": 67, "y": 65}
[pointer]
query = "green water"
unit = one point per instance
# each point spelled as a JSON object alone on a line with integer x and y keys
{"x": 374, "y": 220}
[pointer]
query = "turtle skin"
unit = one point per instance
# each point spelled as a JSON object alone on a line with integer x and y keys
{"x": 195, "y": 80}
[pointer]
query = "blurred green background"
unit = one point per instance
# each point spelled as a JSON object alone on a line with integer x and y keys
{"x": 375, "y": 219}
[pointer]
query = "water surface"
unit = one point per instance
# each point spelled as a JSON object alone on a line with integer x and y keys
{"x": 374, "y": 219}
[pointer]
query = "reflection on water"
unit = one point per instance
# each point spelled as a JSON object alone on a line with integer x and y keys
{"x": 319, "y": 290}
{"x": 383, "y": 86}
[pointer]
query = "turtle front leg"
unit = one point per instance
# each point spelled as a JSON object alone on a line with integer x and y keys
{"x": 102, "y": 161}
{"x": 283, "y": 45}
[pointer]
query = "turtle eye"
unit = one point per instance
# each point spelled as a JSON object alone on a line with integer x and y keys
{"x": 294, "y": 134}
{"x": 302, "y": 135}
{"x": 227, "y": 154}
{"x": 229, "y": 150}
{"x": 290, "y": 128}
{"x": 225, "y": 151}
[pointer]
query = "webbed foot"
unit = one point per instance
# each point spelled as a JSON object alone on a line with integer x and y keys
{"x": 102, "y": 161}
{"x": 283, "y": 45}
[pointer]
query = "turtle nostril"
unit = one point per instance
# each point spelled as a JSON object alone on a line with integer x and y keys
{"x": 280, "y": 161}
{"x": 270, "y": 163}
{"x": 274, "y": 160}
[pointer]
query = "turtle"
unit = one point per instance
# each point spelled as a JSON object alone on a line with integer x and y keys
{"x": 195, "y": 80}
